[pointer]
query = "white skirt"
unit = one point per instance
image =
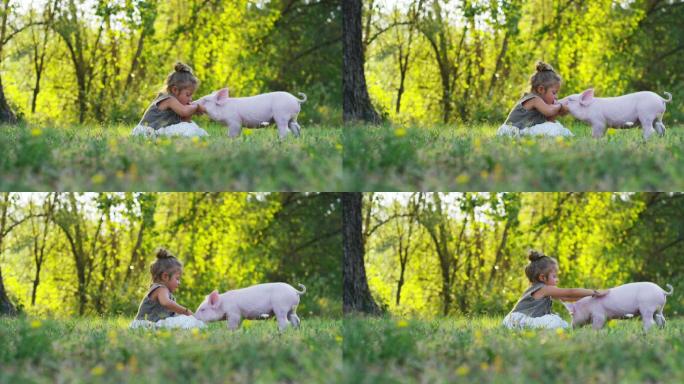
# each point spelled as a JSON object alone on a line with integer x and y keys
{"x": 549, "y": 128}
{"x": 181, "y": 129}
{"x": 517, "y": 320}
{"x": 178, "y": 321}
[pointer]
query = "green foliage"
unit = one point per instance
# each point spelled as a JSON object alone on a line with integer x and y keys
{"x": 470, "y": 61}
{"x": 472, "y": 158}
{"x": 105, "y": 61}
{"x": 98, "y": 248}
{"x": 479, "y": 349}
{"x": 106, "y": 351}
{"x": 468, "y": 251}
{"x": 105, "y": 158}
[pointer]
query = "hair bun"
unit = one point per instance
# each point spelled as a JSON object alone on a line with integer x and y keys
{"x": 543, "y": 67}
{"x": 534, "y": 255}
{"x": 180, "y": 67}
{"x": 162, "y": 253}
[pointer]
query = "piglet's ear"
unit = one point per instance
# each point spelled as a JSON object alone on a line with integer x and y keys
{"x": 222, "y": 95}
{"x": 587, "y": 97}
{"x": 214, "y": 298}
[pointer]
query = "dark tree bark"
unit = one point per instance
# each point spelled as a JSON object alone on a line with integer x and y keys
{"x": 356, "y": 104}
{"x": 6, "y": 225}
{"x": 356, "y": 294}
{"x": 6, "y": 114}
{"x": 39, "y": 55}
{"x": 6, "y": 307}
{"x": 40, "y": 240}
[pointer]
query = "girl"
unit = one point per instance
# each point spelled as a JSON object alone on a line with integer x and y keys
{"x": 533, "y": 310}
{"x": 169, "y": 114}
{"x": 535, "y": 112}
{"x": 159, "y": 303}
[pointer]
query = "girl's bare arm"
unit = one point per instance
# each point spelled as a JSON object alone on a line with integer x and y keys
{"x": 166, "y": 302}
{"x": 184, "y": 111}
{"x": 570, "y": 293}
{"x": 548, "y": 110}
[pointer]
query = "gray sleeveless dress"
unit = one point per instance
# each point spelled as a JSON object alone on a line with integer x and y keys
{"x": 151, "y": 309}
{"x": 156, "y": 118}
{"x": 532, "y": 307}
{"x": 522, "y": 118}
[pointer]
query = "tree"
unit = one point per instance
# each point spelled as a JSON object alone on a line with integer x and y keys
{"x": 39, "y": 48}
{"x": 436, "y": 30}
{"x": 72, "y": 28}
{"x": 7, "y": 31}
{"x": 71, "y": 218}
{"x": 435, "y": 221}
{"x": 356, "y": 294}
{"x": 39, "y": 234}
{"x": 356, "y": 104}
{"x": 7, "y": 223}
{"x": 404, "y": 42}
{"x": 405, "y": 231}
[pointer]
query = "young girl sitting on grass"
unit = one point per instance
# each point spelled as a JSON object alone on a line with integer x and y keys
{"x": 534, "y": 114}
{"x": 533, "y": 310}
{"x": 170, "y": 113}
{"x": 159, "y": 308}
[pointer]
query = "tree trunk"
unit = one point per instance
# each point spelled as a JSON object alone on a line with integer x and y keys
{"x": 400, "y": 283}
{"x": 36, "y": 282}
{"x": 356, "y": 294}
{"x": 6, "y": 114}
{"x": 356, "y": 104}
{"x": 6, "y": 307}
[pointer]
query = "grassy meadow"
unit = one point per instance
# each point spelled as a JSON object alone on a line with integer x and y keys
{"x": 96, "y": 350}
{"x": 473, "y": 158}
{"x": 107, "y": 158}
{"x": 481, "y": 350}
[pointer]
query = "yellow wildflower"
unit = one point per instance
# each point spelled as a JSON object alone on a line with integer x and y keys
{"x": 98, "y": 178}
{"x": 462, "y": 179}
{"x": 462, "y": 370}
{"x": 97, "y": 370}
{"x": 402, "y": 324}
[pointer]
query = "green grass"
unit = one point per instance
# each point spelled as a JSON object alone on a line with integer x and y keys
{"x": 480, "y": 350}
{"x": 473, "y": 158}
{"x": 94, "y": 158}
{"x": 88, "y": 350}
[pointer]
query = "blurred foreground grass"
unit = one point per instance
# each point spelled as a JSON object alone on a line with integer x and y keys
{"x": 96, "y": 350}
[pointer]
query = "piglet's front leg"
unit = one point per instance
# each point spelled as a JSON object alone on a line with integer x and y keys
{"x": 234, "y": 322}
{"x": 597, "y": 321}
{"x": 598, "y": 129}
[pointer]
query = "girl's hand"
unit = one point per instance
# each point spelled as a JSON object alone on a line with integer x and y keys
{"x": 200, "y": 109}
{"x": 600, "y": 292}
{"x": 188, "y": 312}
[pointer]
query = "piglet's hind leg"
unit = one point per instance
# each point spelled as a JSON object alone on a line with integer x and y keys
{"x": 659, "y": 318}
{"x": 282, "y": 320}
{"x": 647, "y": 318}
{"x": 294, "y": 319}
{"x": 659, "y": 126}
